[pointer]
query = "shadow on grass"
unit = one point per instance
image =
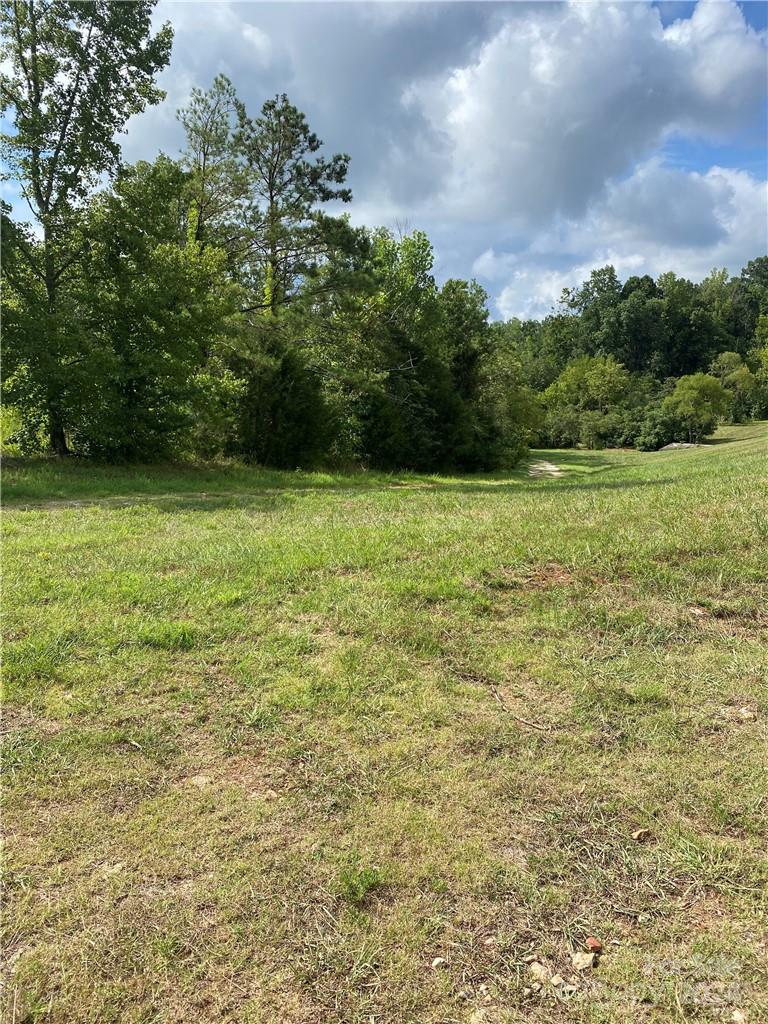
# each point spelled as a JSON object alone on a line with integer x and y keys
{"x": 273, "y": 499}
{"x": 716, "y": 441}
{"x": 46, "y": 482}
{"x": 43, "y": 482}
{"x": 736, "y": 432}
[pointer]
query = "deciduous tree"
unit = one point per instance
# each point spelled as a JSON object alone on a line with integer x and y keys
{"x": 74, "y": 72}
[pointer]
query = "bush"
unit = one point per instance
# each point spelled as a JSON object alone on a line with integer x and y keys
{"x": 601, "y": 429}
{"x": 562, "y": 426}
{"x": 282, "y": 418}
{"x": 657, "y": 429}
{"x": 215, "y": 407}
{"x": 698, "y": 403}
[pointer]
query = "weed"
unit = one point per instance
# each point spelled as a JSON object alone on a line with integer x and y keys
{"x": 357, "y": 881}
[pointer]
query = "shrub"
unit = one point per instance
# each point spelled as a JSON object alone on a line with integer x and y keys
{"x": 657, "y": 429}
{"x": 698, "y": 403}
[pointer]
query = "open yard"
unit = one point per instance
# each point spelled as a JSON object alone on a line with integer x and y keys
{"x": 304, "y": 748}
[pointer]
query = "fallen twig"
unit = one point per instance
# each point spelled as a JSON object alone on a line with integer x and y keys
{"x": 517, "y": 718}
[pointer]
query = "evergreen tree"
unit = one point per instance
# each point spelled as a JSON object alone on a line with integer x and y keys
{"x": 292, "y": 237}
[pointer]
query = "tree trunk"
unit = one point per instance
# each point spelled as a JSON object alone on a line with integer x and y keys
{"x": 57, "y": 439}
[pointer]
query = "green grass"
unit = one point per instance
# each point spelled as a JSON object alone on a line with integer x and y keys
{"x": 309, "y": 748}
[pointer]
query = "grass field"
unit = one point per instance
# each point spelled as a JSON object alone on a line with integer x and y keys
{"x": 303, "y": 748}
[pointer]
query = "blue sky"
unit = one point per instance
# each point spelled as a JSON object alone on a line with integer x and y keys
{"x": 532, "y": 141}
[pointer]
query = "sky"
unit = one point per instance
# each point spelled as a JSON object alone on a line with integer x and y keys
{"x": 531, "y": 141}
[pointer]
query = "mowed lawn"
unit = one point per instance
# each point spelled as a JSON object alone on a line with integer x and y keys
{"x": 307, "y": 748}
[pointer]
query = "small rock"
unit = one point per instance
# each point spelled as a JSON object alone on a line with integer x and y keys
{"x": 113, "y": 869}
{"x": 489, "y": 942}
{"x": 583, "y": 961}
{"x": 539, "y": 972}
{"x": 641, "y": 834}
{"x": 556, "y": 980}
{"x": 738, "y": 1017}
{"x": 438, "y": 962}
{"x": 593, "y": 945}
{"x": 748, "y": 715}
{"x": 530, "y": 958}
{"x": 527, "y": 991}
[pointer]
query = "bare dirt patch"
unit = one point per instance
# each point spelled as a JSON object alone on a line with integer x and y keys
{"x": 544, "y": 469}
{"x": 19, "y": 719}
{"x": 550, "y": 575}
{"x": 539, "y": 577}
{"x": 242, "y": 772}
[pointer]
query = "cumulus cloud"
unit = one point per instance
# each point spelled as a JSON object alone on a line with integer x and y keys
{"x": 556, "y": 131}
{"x": 347, "y": 66}
{"x": 667, "y": 206}
{"x": 717, "y": 219}
{"x": 562, "y": 101}
{"x": 527, "y": 139}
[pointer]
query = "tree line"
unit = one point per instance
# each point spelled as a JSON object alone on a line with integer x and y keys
{"x": 644, "y": 363}
{"x": 220, "y": 303}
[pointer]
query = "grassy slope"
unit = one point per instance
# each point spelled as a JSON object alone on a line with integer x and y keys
{"x": 275, "y": 747}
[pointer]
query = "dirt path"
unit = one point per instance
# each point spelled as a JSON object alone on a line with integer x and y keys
{"x": 544, "y": 469}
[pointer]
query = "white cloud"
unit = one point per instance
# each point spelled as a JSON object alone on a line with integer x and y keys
{"x": 527, "y": 137}
{"x": 720, "y": 59}
{"x": 533, "y": 290}
{"x": 560, "y": 102}
{"x": 554, "y": 130}
{"x": 717, "y": 219}
{"x": 209, "y": 39}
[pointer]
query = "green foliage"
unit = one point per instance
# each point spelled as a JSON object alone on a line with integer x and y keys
{"x": 288, "y": 180}
{"x": 219, "y": 180}
{"x": 213, "y": 306}
{"x": 589, "y": 383}
{"x": 73, "y": 75}
{"x": 658, "y": 428}
{"x": 654, "y": 332}
{"x": 10, "y": 427}
{"x": 591, "y": 403}
{"x": 741, "y": 383}
{"x": 140, "y": 314}
{"x": 432, "y": 387}
{"x": 356, "y": 881}
{"x": 699, "y": 402}
{"x": 281, "y": 417}
{"x": 214, "y": 407}
{"x": 758, "y": 357}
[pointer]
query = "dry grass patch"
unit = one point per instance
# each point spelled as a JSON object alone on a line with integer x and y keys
{"x": 342, "y": 750}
